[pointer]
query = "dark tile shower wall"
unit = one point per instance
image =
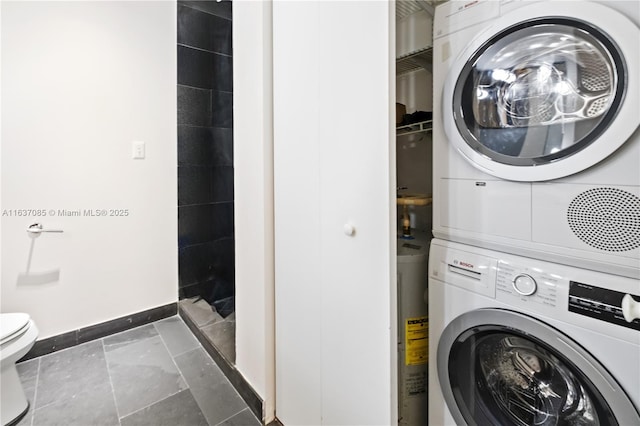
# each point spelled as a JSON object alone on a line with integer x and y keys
{"x": 205, "y": 150}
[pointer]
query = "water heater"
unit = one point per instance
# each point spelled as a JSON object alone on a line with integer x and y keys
{"x": 413, "y": 330}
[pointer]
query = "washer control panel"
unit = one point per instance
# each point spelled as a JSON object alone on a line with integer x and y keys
{"x": 529, "y": 285}
{"x": 604, "y": 304}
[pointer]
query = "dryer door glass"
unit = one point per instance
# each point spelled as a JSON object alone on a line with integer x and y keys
{"x": 500, "y": 376}
{"x": 539, "y": 92}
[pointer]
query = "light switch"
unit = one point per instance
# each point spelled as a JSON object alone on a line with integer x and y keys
{"x": 137, "y": 151}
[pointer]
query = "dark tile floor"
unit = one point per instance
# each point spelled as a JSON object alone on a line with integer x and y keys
{"x": 157, "y": 374}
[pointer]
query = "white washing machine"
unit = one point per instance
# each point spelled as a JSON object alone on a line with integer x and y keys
{"x": 518, "y": 341}
{"x": 535, "y": 130}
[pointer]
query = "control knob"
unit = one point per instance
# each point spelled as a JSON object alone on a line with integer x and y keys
{"x": 525, "y": 284}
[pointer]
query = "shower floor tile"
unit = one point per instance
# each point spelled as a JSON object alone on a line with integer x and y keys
{"x": 200, "y": 312}
{"x": 221, "y": 332}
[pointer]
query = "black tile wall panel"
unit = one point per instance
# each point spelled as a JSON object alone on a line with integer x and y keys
{"x": 195, "y": 67}
{"x": 195, "y": 185}
{"x": 223, "y": 253}
{"x": 199, "y": 224}
{"x": 195, "y": 146}
{"x": 222, "y": 72}
{"x": 222, "y": 146}
{"x": 194, "y": 224}
{"x": 205, "y": 150}
{"x": 195, "y": 264}
{"x": 205, "y": 146}
{"x": 222, "y": 222}
{"x": 222, "y": 107}
{"x": 193, "y": 290}
{"x": 222, "y": 9}
{"x": 204, "y": 30}
{"x": 194, "y": 106}
{"x": 222, "y": 183}
{"x": 205, "y": 70}
{"x": 207, "y": 262}
{"x": 203, "y": 184}
{"x": 220, "y": 289}
{"x": 209, "y": 290}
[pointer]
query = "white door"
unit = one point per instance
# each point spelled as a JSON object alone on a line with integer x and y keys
{"x": 334, "y": 167}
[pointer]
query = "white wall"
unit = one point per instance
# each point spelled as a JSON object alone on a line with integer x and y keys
{"x": 80, "y": 82}
{"x": 253, "y": 180}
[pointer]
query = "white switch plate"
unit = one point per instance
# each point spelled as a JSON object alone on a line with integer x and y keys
{"x": 137, "y": 151}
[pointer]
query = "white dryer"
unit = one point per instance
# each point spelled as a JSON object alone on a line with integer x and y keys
{"x": 535, "y": 129}
{"x": 518, "y": 341}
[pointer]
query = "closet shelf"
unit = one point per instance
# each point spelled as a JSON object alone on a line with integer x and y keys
{"x": 411, "y": 129}
{"x": 420, "y": 59}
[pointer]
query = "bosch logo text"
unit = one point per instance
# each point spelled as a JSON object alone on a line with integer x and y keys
{"x": 461, "y": 263}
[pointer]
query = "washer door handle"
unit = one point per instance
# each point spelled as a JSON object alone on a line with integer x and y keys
{"x": 630, "y": 308}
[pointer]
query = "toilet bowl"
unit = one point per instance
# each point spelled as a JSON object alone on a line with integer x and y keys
{"x": 17, "y": 335}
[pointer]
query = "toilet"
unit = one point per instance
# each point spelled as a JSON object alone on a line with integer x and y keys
{"x": 18, "y": 333}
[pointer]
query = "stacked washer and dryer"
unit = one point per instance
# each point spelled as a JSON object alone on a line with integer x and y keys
{"x": 534, "y": 272}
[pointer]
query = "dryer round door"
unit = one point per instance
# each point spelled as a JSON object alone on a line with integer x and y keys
{"x": 498, "y": 367}
{"x": 536, "y": 98}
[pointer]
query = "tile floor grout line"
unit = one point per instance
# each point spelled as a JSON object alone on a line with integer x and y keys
{"x": 45, "y": 405}
{"x": 224, "y": 376}
{"x": 178, "y": 367}
{"x": 230, "y": 417}
{"x": 171, "y": 356}
{"x": 153, "y": 403}
{"x": 227, "y": 380}
{"x": 35, "y": 392}
{"x": 189, "y": 350}
{"x": 118, "y": 345}
{"x": 113, "y": 391}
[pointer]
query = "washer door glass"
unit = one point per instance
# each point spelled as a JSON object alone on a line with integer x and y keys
{"x": 539, "y": 92}
{"x": 504, "y": 377}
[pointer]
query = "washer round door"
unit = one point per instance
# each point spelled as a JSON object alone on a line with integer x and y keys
{"x": 498, "y": 367}
{"x": 536, "y": 98}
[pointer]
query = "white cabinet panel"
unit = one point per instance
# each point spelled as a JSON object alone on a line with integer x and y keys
{"x": 334, "y": 166}
{"x": 297, "y": 212}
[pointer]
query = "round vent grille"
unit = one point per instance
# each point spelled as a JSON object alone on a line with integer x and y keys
{"x": 606, "y": 218}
